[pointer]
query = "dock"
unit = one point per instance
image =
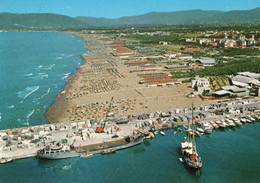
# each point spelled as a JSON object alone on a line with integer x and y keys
{"x": 24, "y": 142}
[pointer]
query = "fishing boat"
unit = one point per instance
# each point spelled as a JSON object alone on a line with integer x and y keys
{"x": 189, "y": 151}
{"x": 108, "y": 151}
{"x": 86, "y": 155}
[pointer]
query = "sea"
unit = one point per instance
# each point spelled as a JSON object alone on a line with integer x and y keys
{"x": 34, "y": 67}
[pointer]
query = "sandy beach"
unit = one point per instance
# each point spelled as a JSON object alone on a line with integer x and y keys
{"x": 103, "y": 84}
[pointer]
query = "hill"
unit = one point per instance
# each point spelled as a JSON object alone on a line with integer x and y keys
{"x": 179, "y": 17}
{"x": 54, "y": 21}
{"x": 38, "y": 21}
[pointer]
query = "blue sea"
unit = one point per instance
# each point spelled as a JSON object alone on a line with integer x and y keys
{"x": 33, "y": 70}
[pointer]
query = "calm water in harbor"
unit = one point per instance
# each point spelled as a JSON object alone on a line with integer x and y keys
{"x": 32, "y": 71}
{"x": 228, "y": 156}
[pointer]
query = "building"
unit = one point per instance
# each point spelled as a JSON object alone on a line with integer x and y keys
{"x": 244, "y": 79}
{"x": 207, "y": 61}
{"x": 185, "y": 57}
{"x": 172, "y": 54}
{"x": 250, "y": 74}
{"x": 236, "y": 90}
{"x": 201, "y": 85}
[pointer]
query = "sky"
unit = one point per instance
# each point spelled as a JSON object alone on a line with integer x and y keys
{"x": 119, "y": 8}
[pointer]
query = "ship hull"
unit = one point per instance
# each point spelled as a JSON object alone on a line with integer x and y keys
{"x": 95, "y": 150}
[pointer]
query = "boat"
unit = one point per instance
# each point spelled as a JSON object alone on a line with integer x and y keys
{"x": 162, "y": 133}
{"x": 230, "y": 123}
{"x": 86, "y": 155}
{"x": 243, "y": 120}
{"x": 252, "y": 119}
{"x": 237, "y": 122}
{"x": 61, "y": 150}
{"x": 108, "y": 151}
{"x": 207, "y": 127}
{"x": 189, "y": 151}
{"x": 214, "y": 124}
{"x": 200, "y": 130}
{"x": 220, "y": 124}
{"x": 5, "y": 160}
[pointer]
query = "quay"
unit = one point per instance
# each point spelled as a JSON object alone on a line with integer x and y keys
{"x": 25, "y": 142}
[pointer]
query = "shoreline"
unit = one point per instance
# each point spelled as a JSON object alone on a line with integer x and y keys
{"x": 95, "y": 87}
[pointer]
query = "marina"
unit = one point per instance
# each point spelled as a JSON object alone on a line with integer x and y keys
{"x": 85, "y": 136}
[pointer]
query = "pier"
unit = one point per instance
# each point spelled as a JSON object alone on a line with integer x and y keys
{"x": 25, "y": 142}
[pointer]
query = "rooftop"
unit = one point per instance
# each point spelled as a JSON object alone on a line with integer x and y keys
{"x": 206, "y": 60}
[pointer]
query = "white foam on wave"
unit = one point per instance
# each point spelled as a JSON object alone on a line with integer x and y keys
{"x": 31, "y": 91}
{"x": 71, "y": 55}
{"x": 49, "y": 67}
{"x": 59, "y": 58}
{"x": 26, "y": 123}
{"x": 66, "y": 75}
{"x": 11, "y": 106}
{"x": 43, "y": 95}
{"x": 29, "y": 114}
{"x": 40, "y": 75}
{"x": 66, "y": 167}
{"x": 30, "y": 74}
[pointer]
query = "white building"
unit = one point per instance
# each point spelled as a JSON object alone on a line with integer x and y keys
{"x": 200, "y": 85}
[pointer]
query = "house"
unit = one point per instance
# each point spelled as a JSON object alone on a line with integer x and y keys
{"x": 172, "y": 54}
{"x": 229, "y": 43}
{"x": 185, "y": 57}
{"x": 201, "y": 85}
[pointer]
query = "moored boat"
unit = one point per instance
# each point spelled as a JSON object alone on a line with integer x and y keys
{"x": 188, "y": 149}
{"x": 59, "y": 150}
{"x": 162, "y": 133}
{"x": 108, "y": 151}
{"x": 86, "y": 155}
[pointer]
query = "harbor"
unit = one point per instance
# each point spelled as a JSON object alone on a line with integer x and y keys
{"x": 25, "y": 142}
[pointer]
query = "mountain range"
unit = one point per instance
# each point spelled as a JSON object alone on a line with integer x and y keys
{"x": 55, "y": 21}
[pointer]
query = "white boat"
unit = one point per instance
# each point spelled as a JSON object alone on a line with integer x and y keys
{"x": 207, "y": 127}
{"x": 230, "y": 122}
{"x": 243, "y": 120}
{"x": 252, "y": 119}
{"x": 220, "y": 124}
{"x": 248, "y": 120}
{"x": 86, "y": 155}
{"x": 214, "y": 124}
{"x": 162, "y": 133}
{"x": 237, "y": 122}
{"x": 200, "y": 130}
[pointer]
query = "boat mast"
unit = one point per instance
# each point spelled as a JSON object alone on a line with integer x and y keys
{"x": 188, "y": 131}
{"x": 193, "y": 139}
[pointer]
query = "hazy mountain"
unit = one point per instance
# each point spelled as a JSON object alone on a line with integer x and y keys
{"x": 54, "y": 21}
{"x": 180, "y": 17}
{"x": 38, "y": 21}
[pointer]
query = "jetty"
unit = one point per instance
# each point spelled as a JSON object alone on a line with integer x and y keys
{"x": 26, "y": 141}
